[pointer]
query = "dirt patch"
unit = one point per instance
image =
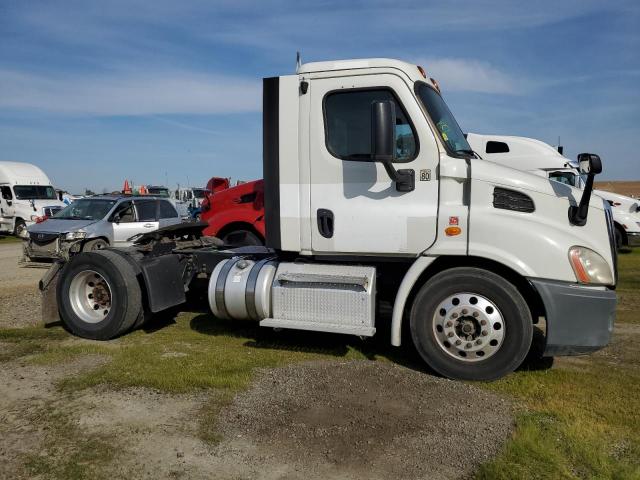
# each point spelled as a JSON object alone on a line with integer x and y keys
{"x": 19, "y": 296}
{"x": 359, "y": 420}
{"x": 25, "y": 392}
{"x": 628, "y": 188}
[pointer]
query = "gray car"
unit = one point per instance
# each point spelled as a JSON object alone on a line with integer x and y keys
{"x": 97, "y": 222}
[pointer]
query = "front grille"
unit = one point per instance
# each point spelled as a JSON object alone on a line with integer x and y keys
{"x": 612, "y": 240}
{"x": 512, "y": 200}
{"x": 43, "y": 238}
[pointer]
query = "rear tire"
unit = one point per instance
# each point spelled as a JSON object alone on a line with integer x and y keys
{"x": 471, "y": 324}
{"x": 98, "y": 295}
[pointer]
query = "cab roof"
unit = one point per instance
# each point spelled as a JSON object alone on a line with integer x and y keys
{"x": 410, "y": 69}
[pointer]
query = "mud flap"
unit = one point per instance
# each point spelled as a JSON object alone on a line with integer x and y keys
{"x": 48, "y": 286}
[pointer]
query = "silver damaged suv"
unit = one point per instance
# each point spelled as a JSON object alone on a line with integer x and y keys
{"x": 97, "y": 222}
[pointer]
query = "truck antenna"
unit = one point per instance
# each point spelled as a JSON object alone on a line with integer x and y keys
{"x": 298, "y": 61}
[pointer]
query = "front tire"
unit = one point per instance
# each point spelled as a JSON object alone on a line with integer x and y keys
{"x": 19, "y": 228}
{"x": 93, "y": 245}
{"x": 99, "y": 296}
{"x": 471, "y": 324}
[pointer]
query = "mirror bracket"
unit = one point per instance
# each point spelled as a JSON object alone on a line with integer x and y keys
{"x": 578, "y": 213}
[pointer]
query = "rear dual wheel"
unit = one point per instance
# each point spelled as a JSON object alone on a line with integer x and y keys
{"x": 99, "y": 296}
{"x": 471, "y": 324}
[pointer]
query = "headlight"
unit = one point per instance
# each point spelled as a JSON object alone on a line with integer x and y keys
{"x": 75, "y": 235}
{"x": 589, "y": 267}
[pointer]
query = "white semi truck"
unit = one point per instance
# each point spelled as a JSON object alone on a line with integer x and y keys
{"x": 26, "y": 195}
{"x": 540, "y": 158}
{"x": 372, "y": 193}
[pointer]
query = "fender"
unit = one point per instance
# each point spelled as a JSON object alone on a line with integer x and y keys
{"x": 408, "y": 281}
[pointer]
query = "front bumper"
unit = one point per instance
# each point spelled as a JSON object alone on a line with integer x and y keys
{"x": 56, "y": 249}
{"x": 579, "y": 318}
{"x": 633, "y": 239}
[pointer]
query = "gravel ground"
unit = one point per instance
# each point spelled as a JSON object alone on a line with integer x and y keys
{"x": 360, "y": 420}
{"x": 19, "y": 296}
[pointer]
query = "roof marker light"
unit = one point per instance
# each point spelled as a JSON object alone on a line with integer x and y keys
{"x": 422, "y": 72}
{"x": 435, "y": 84}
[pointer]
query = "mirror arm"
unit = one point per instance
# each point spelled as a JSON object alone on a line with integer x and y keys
{"x": 392, "y": 172}
{"x": 578, "y": 214}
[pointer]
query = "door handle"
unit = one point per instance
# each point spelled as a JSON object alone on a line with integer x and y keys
{"x": 148, "y": 225}
{"x": 325, "y": 222}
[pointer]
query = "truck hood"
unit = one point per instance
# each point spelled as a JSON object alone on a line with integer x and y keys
{"x": 506, "y": 177}
{"x": 54, "y": 225}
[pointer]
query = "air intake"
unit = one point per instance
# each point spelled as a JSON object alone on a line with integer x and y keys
{"x": 512, "y": 200}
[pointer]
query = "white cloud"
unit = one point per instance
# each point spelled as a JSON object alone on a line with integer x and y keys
{"x": 148, "y": 93}
{"x": 464, "y": 75}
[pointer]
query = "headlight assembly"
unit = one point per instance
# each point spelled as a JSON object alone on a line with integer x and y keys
{"x": 589, "y": 267}
{"x": 78, "y": 235}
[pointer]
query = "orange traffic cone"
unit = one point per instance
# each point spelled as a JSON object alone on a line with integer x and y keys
{"x": 126, "y": 189}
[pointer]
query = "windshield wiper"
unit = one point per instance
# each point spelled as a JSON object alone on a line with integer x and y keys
{"x": 469, "y": 151}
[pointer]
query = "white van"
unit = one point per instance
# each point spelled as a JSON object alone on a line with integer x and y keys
{"x": 25, "y": 195}
{"x": 540, "y": 158}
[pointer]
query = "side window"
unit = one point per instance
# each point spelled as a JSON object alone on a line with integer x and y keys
{"x": 6, "y": 193}
{"x": 348, "y": 125}
{"x": 125, "y": 212}
{"x": 146, "y": 210}
{"x": 167, "y": 210}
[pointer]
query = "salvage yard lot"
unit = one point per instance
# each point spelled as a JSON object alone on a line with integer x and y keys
{"x": 196, "y": 397}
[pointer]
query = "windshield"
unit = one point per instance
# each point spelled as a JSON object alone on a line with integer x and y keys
{"x": 86, "y": 209}
{"x": 34, "y": 192}
{"x": 444, "y": 120}
{"x": 159, "y": 191}
{"x": 198, "y": 192}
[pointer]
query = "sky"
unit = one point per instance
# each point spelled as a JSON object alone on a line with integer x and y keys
{"x": 169, "y": 92}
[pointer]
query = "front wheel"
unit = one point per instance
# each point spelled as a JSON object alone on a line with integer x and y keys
{"x": 97, "y": 244}
{"x": 618, "y": 238}
{"x": 471, "y": 324}
{"x": 19, "y": 228}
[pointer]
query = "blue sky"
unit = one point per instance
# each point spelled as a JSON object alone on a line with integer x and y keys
{"x": 94, "y": 92}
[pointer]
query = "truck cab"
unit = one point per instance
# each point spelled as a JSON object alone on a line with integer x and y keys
{"x": 373, "y": 194}
{"x": 26, "y": 195}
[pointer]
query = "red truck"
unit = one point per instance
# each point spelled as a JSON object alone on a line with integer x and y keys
{"x": 235, "y": 214}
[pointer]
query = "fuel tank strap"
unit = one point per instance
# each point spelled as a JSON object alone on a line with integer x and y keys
{"x": 220, "y": 283}
{"x": 250, "y": 292}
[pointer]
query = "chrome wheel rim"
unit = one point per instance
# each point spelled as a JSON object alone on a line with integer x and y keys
{"x": 468, "y": 327}
{"x": 90, "y": 296}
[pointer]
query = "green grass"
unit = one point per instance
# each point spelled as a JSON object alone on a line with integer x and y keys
{"x": 69, "y": 452}
{"x": 629, "y": 287}
{"x": 9, "y": 239}
{"x": 580, "y": 419}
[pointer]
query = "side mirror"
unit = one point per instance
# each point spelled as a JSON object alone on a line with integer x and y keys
{"x": 383, "y": 144}
{"x": 383, "y": 131}
{"x": 116, "y": 218}
{"x": 589, "y": 163}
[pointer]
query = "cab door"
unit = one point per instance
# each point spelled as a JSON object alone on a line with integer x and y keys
{"x": 355, "y": 206}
